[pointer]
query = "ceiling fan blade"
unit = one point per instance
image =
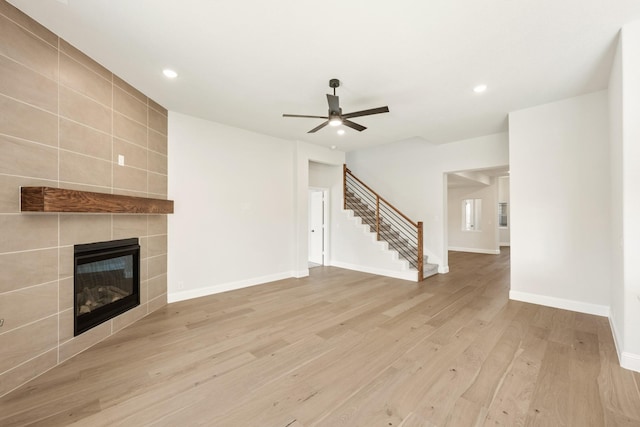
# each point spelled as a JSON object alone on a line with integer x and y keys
{"x": 317, "y": 128}
{"x": 353, "y": 125}
{"x": 334, "y": 103}
{"x": 305, "y": 117}
{"x": 369, "y": 112}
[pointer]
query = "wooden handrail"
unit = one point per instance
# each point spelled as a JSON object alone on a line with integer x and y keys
{"x": 347, "y": 171}
{"x": 418, "y": 225}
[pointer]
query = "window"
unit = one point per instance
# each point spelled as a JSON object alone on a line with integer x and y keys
{"x": 502, "y": 214}
{"x": 471, "y": 214}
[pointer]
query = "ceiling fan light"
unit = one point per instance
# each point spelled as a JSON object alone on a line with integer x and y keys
{"x": 335, "y": 121}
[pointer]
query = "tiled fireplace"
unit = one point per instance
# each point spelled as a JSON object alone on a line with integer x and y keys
{"x": 65, "y": 121}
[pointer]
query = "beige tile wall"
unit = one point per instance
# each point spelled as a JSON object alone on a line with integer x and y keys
{"x": 64, "y": 119}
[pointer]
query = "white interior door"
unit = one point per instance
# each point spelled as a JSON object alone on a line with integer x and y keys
{"x": 316, "y": 226}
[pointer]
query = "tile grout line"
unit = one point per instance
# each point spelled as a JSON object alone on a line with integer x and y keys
{"x": 24, "y": 325}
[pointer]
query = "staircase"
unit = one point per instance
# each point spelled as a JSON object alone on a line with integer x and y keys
{"x": 390, "y": 225}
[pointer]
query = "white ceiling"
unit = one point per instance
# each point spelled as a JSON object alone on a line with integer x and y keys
{"x": 245, "y": 62}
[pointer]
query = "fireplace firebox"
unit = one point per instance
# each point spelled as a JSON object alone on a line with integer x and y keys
{"x": 106, "y": 281}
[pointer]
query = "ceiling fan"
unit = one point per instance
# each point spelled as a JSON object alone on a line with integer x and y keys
{"x": 335, "y": 117}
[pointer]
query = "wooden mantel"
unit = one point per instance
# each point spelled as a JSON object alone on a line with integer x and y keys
{"x": 49, "y": 199}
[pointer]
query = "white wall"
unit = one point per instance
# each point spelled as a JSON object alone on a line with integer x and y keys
{"x": 234, "y": 218}
{"x": 631, "y": 191}
{"x": 624, "y": 102}
{"x": 560, "y": 217}
{"x": 410, "y": 174}
{"x": 484, "y": 240}
{"x": 241, "y": 202}
{"x": 325, "y": 176}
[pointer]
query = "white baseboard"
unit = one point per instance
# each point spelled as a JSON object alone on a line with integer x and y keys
{"x": 475, "y": 250}
{"x": 405, "y": 275}
{"x": 224, "y": 287}
{"x": 564, "y": 304}
{"x": 301, "y": 273}
{"x": 627, "y": 360}
{"x": 630, "y": 361}
{"x": 504, "y": 244}
{"x": 443, "y": 269}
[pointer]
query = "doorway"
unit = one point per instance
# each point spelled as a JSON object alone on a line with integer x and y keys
{"x": 317, "y": 240}
{"x": 475, "y": 203}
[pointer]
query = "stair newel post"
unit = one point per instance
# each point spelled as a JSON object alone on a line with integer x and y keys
{"x": 377, "y": 217}
{"x": 420, "y": 253}
{"x": 344, "y": 186}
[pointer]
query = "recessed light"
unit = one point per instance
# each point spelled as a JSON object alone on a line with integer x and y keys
{"x": 340, "y": 131}
{"x": 480, "y": 88}
{"x": 333, "y": 147}
{"x": 170, "y": 74}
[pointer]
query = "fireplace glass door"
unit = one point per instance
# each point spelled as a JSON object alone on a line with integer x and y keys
{"x": 106, "y": 281}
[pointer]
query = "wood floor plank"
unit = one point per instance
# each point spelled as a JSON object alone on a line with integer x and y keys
{"x": 414, "y": 420}
{"x": 495, "y": 366}
{"x": 466, "y": 413}
{"x": 360, "y": 362}
{"x": 511, "y": 403}
{"x": 458, "y": 374}
{"x": 550, "y": 399}
{"x": 367, "y": 406}
{"x": 344, "y": 348}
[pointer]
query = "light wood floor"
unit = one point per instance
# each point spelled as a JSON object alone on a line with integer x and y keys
{"x": 342, "y": 348}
